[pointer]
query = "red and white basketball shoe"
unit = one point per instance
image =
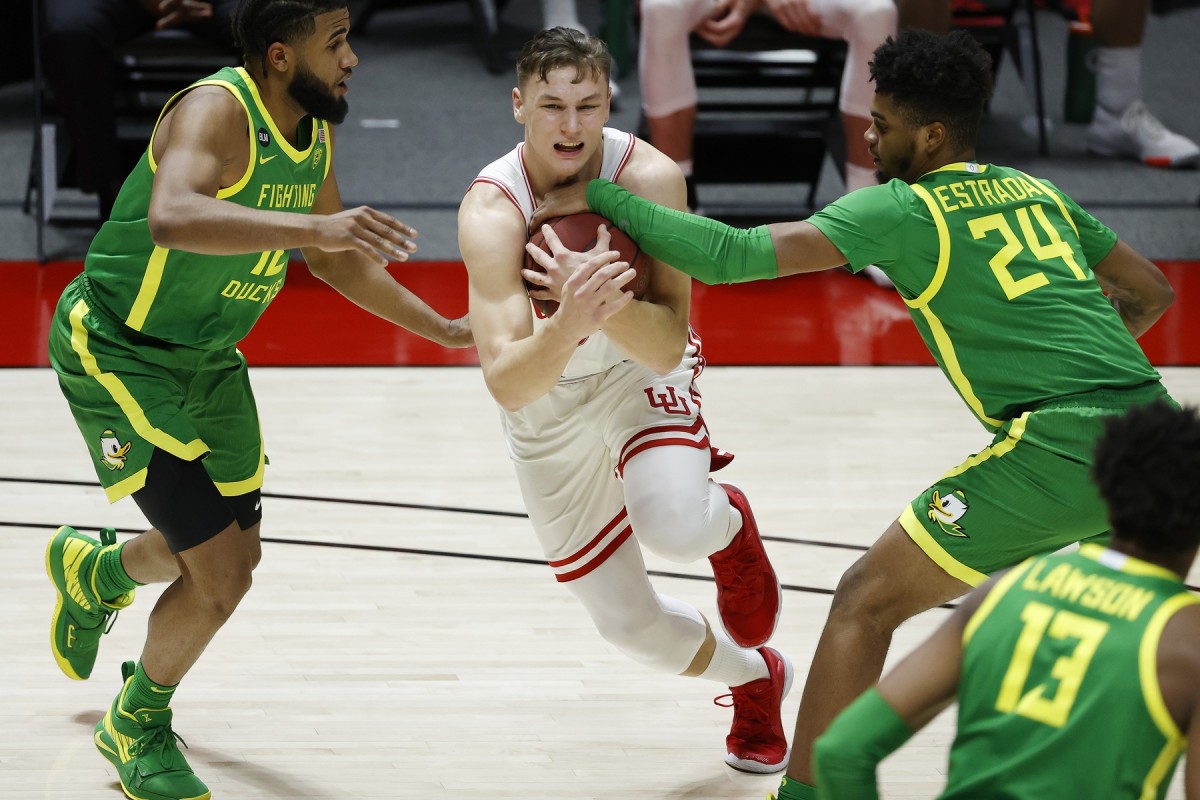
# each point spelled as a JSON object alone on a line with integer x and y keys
{"x": 748, "y": 593}
{"x": 756, "y": 741}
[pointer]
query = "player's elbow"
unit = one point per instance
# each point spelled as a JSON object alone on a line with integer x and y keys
{"x": 1162, "y": 296}
{"x": 320, "y": 266}
{"x": 509, "y": 395}
{"x": 164, "y": 225}
{"x": 509, "y": 401}
{"x": 666, "y": 363}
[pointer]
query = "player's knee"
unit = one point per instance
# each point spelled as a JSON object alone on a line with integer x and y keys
{"x": 669, "y": 526}
{"x": 220, "y": 595}
{"x": 866, "y": 598}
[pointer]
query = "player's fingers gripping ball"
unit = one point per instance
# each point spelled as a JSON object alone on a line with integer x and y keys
{"x": 578, "y": 232}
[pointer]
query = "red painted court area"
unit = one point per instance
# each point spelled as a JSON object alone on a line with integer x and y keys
{"x": 830, "y": 318}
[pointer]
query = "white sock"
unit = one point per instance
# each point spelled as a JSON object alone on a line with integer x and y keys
{"x": 733, "y": 665}
{"x": 561, "y": 13}
{"x": 1118, "y": 77}
{"x": 857, "y": 177}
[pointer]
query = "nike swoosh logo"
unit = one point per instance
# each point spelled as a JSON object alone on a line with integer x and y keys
{"x": 265, "y": 159}
{"x": 258, "y": 505}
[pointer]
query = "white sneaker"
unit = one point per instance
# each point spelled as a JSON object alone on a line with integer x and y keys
{"x": 1138, "y": 134}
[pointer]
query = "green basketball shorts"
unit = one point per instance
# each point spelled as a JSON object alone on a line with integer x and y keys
{"x": 1030, "y": 492}
{"x": 130, "y": 394}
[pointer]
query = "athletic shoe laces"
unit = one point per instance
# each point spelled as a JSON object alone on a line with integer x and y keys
{"x": 741, "y": 573}
{"x": 159, "y": 743}
{"x": 751, "y": 709}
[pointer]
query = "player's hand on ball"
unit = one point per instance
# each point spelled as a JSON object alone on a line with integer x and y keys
{"x": 547, "y": 283}
{"x": 594, "y": 288}
{"x": 561, "y": 202}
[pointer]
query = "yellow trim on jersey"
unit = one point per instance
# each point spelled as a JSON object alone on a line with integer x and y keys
{"x": 1057, "y": 200}
{"x": 128, "y": 486}
{"x": 255, "y": 481}
{"x": 993, "y": 597}
{"x": 121, "y": 395}
{"x": 328, "y": 148}
{"x": 295, "y": 155}
{"x": 228, "y": 191}
{"x": 961, "y": 166}
{"x": 151, "y": 280}
{"x": 950, "y": 360}
{"x": 1131, "y": 565}
{"x": 943, "y": 263}
{"x": 921, "y": 538}
{"x": 1152, "y": 692}
{"x": 999, "y": 450}
{"x": 921, "y": 303}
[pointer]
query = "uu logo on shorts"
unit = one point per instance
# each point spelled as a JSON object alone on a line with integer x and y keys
{"x": 667, "y": 399}
{"x": 113, "y": 451}
{"x": 947, "y": 511}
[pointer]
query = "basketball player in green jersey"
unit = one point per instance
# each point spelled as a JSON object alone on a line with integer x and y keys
{"x": 239, "y": 170}
{"x": 1005, "y": 278}
{"x": 1076, "y": 675}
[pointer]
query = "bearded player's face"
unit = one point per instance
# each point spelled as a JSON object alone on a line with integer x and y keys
{"x": 325, "y": 64}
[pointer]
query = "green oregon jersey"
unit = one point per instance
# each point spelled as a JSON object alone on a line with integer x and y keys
{"x": 1060, "y": 693}
{"x": 205, "y": 301}
{"x": 995, "y": 267}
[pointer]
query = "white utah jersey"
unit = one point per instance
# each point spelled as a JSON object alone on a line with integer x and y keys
{"x": 596, "y": 353}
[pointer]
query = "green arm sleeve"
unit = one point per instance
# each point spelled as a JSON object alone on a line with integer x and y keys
{"x": 710, "y": 251}
{"x": 846, "y": 755}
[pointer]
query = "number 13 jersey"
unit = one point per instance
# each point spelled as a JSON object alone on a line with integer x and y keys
{"x": 1059, "y": 695}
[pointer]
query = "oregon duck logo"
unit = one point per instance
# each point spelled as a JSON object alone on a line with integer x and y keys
{"x": 947, "y": 511}
{"x": 113, "y": 451}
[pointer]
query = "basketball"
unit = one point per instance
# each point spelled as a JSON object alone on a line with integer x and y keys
{"x": 578, "y": 232}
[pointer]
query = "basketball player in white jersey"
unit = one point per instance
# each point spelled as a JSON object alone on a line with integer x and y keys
{"x": 599, "y": 407}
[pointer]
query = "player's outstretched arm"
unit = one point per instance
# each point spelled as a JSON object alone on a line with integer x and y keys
{"x": 362, "y": 280}
{"x": 1136, "y": 288}
{"x": 710, "y": 251}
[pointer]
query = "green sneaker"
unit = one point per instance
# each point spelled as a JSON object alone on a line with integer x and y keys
{"x": 142, "y": 746}
{"x": 80, "y": 616}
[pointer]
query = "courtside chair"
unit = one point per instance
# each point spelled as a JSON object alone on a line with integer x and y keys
{"x": 767, "y": 104}
{"x": 1008, "y": 25}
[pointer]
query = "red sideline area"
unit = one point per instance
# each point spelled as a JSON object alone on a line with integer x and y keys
{"x": 829, "y": 318}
